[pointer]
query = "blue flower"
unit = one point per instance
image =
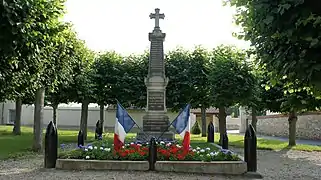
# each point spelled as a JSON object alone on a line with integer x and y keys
{"x": 226, "y": 151}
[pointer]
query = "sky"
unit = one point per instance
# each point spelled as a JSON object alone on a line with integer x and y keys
{"x": 123, "y": 25}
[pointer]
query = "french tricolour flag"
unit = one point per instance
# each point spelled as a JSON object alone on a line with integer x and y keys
{"x": 182, "y": 125}
{"x": 123, "y": 125}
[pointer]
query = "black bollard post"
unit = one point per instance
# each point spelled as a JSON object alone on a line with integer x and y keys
{"x": 250, "y": 145}
{"x": 225, "y": 141}
{"x": 210, "y": 132}
{"x": 81, "y": 138}
{"x": 51, "y": 146}
{"x": 98, "y": 130}
{"x": 152, "y": 153}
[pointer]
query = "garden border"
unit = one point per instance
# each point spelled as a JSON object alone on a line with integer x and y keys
{"x": 213, "y": 167}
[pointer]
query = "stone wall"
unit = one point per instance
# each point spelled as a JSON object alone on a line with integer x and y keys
{"x": 308, "y": 125}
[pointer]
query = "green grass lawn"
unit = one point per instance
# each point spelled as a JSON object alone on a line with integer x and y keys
{"x": 17, "y": 146}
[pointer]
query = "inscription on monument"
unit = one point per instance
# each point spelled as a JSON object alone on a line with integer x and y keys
{"x": 156, "y": 101}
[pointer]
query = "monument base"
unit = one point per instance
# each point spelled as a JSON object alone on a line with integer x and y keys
{"x": 146, "y": 136}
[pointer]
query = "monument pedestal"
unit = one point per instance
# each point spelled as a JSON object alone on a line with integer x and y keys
{"x": 146, "y": 136}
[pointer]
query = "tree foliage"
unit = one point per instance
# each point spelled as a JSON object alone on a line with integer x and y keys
{"x": 230, "y": 77}
{"x": 286, "y": 36}
{"x": 106, "y": 77}
{"x": 27, "y": 34}
{"x": 178, "y": 91}
{"x": 133, "y": 89}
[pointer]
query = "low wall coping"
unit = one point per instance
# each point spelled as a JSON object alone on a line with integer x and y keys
{"x": 286, "y": 115}
{"x": 81, "y": 164}
{"x": 213, "y": 167}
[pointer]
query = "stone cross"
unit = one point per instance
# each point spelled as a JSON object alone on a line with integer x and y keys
{"x": 156, "y": 16}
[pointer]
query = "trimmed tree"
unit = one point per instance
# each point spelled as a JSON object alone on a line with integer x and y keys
{"x": 188, "y": 81}
{"x": 230, "y": 80}
{"x": 82, "y": 86}
{"x": 106, "y": 78}
{"x": 278, "y": 99}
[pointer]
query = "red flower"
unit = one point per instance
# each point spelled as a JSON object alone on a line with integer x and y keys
{"x": 122, "y": 154}
{"x": 180, "y": 156}
{"x": 174, "y": 150}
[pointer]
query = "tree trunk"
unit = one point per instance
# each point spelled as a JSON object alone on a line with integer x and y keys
{"x": 203, "y": 114}
{"x": 38, "y": 120}
{"x": 54, "y": 114}
{"x": 293, "y": 118}
{"x": 254, "y": 118}
{"x": 222, "y": 122}
{"x": 101, "y": 114}
{"x": 17, "y": 123}
{"x": 84, "y": 117}
{"x": 2, "y": 113}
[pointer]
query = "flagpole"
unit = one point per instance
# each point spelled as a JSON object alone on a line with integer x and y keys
{"x": 172, "y": 122}
{"x": 165, "y": 130}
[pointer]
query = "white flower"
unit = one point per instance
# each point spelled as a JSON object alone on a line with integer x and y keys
{"x": 207, "y": 149}
{"x": 147, "y": 143}
{"x": 132, "y": 143}
{"x": 212, "y": 154}
{"x": 208, "y": 155}
{"x": 139, "y": 145}
{"x": 202, "y": 150}
{"x": 178, "y": 146}
{"x": 95, "y": 147}
{"x": 101, "y": 148}
{"x": 107, "y": 149}
{"x": 168, "y": 144}
{"x": 126, "y": 144}
{"x": 194, "y": 150}
{"x": 198, "y": 148}
{"x": 123, "y": 147}
{"x": 162, "y": 142}
{"x": 90, "y": 147}
{"x": 87, "y": 157}
{"x": 86, "y": 149}
{"x": 197, "y": 152}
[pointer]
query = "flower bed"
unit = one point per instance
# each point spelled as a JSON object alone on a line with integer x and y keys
{"x": 100, "y": 150}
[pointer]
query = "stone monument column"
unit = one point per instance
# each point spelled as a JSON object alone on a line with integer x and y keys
{"x": 156, "y": 121}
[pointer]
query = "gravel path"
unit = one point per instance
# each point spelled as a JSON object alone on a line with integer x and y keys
{"x": 291, "y": 165}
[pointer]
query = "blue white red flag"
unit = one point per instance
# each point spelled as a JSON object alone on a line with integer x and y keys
{"x": 123, "y": 125}
{"x": 182, "y": 125}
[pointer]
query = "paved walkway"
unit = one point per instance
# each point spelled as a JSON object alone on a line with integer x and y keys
{"x": 298, "y": 141}
{"x": 273, "y": 165}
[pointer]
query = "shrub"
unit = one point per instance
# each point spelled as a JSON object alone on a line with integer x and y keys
{"x": 196, "y": 129}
